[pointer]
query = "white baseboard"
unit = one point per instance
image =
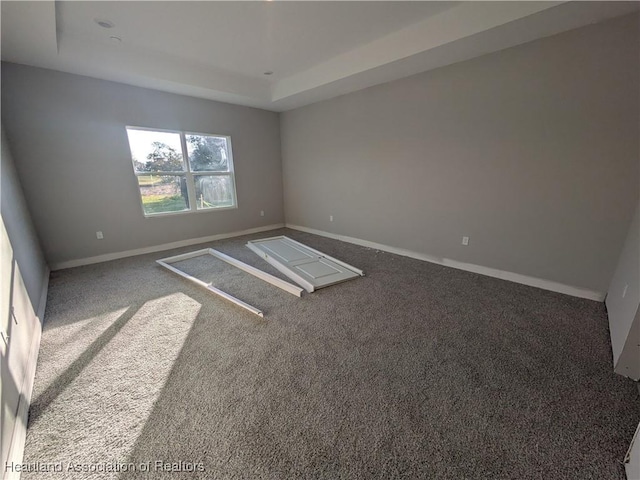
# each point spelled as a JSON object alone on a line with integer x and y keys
{"x": 16, "y": 450}
{"x": 469, "y": 267}
{"x": 159, "y": 248}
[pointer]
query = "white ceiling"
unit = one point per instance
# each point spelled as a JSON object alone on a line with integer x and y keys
{"x": 316, "y": 50}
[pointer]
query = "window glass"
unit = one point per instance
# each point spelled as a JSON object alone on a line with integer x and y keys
{"x": 169, "y": 184}
{"x": 155, "y": 151}
{"x": 207, "y": 153}
{"x": 163, "y": 193}
{"x": 213, "y": 191}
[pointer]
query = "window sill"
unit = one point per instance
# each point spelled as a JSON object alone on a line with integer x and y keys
{"x": 188, "y": 212}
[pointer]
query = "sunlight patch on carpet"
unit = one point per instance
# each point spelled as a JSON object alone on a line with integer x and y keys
{"x": 134, "y": 366}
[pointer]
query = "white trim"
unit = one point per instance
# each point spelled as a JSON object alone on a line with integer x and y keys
{"x": 19, "y": 435}
{"x": 308, "y": 286}
{"x": 191, "y": 186}
{"x": 159, "y": 248}
{"x": 184, "y": 256}
{"x": 165, "y": 262}
{"x": 18, "y": 438}
{"x": 328, "y": 257}
{"x": 313, "y": 250}
{"x": 469, "y": 267}
{"x": 210, "y": 287}
{"x": 189, "y": 212}
{"x": 254, "y": 245}
{"x": 188, "y": 174}
{"x": 267, "y": 277}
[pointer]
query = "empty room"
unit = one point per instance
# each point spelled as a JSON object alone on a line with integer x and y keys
{"x": 320, "y": 240}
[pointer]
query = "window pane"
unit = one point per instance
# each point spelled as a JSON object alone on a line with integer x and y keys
{"x": 207, "y": 153}
{"x": 163, "y": 193}
{"x": 213, "y": 191}
{"x": 155, "y": 151}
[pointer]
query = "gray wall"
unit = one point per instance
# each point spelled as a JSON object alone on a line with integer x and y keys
{"x": 69, "y": 141}
{"x": 24, "y": 280}
{"x": 531, "y": 151}
{"x": 27, "y": 252}
{"x": 623, "y": 310}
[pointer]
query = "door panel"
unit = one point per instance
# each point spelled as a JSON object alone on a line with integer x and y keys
{"x": 317, "y": 269}
{"x": 310, "y": 268}
{"x": 285, "y": 252}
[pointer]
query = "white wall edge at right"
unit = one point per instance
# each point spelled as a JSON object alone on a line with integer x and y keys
{"x": 469, "y": 267}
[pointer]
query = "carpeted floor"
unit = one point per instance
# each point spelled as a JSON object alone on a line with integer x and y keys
{"x": 414, "y": 371}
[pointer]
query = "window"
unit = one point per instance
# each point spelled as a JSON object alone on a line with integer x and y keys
{"x": 180, "y": 172}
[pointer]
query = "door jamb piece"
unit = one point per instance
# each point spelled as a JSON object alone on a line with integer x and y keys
{"x": 286, "y": 286}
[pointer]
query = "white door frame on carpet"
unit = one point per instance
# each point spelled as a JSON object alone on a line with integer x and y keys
{"x": 286, "y": 286}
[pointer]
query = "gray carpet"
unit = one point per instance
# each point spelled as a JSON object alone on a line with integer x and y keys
{"x": 414, "y": 371}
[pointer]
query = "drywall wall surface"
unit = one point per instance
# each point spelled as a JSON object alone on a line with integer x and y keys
{"x": 623, "y": 296}
{"x": 26, "y": 251}
{"x": 532, "y": 152}
{"x": 23, "y": 286}
{"x": 72, "y": 155}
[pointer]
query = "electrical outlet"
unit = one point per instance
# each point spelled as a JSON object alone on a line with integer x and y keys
{"x": 624, "y": 292}
{"x": 465, "y": 240}
{"x": 262, "y": 213}
{"x": 99, "y": 235}
{"x": 331, "y": 218}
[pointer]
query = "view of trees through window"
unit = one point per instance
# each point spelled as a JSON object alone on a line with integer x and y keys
{"x": 168, "y": 184}
{"x": 207, "y": 153}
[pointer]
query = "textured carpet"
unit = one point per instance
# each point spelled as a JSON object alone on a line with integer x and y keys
{"x": 414, "y": 371}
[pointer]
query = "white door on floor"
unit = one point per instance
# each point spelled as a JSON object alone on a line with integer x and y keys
{"x": 308, "y": 267}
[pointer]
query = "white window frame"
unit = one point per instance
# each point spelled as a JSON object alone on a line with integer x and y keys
{"x": 187, "y": 173}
